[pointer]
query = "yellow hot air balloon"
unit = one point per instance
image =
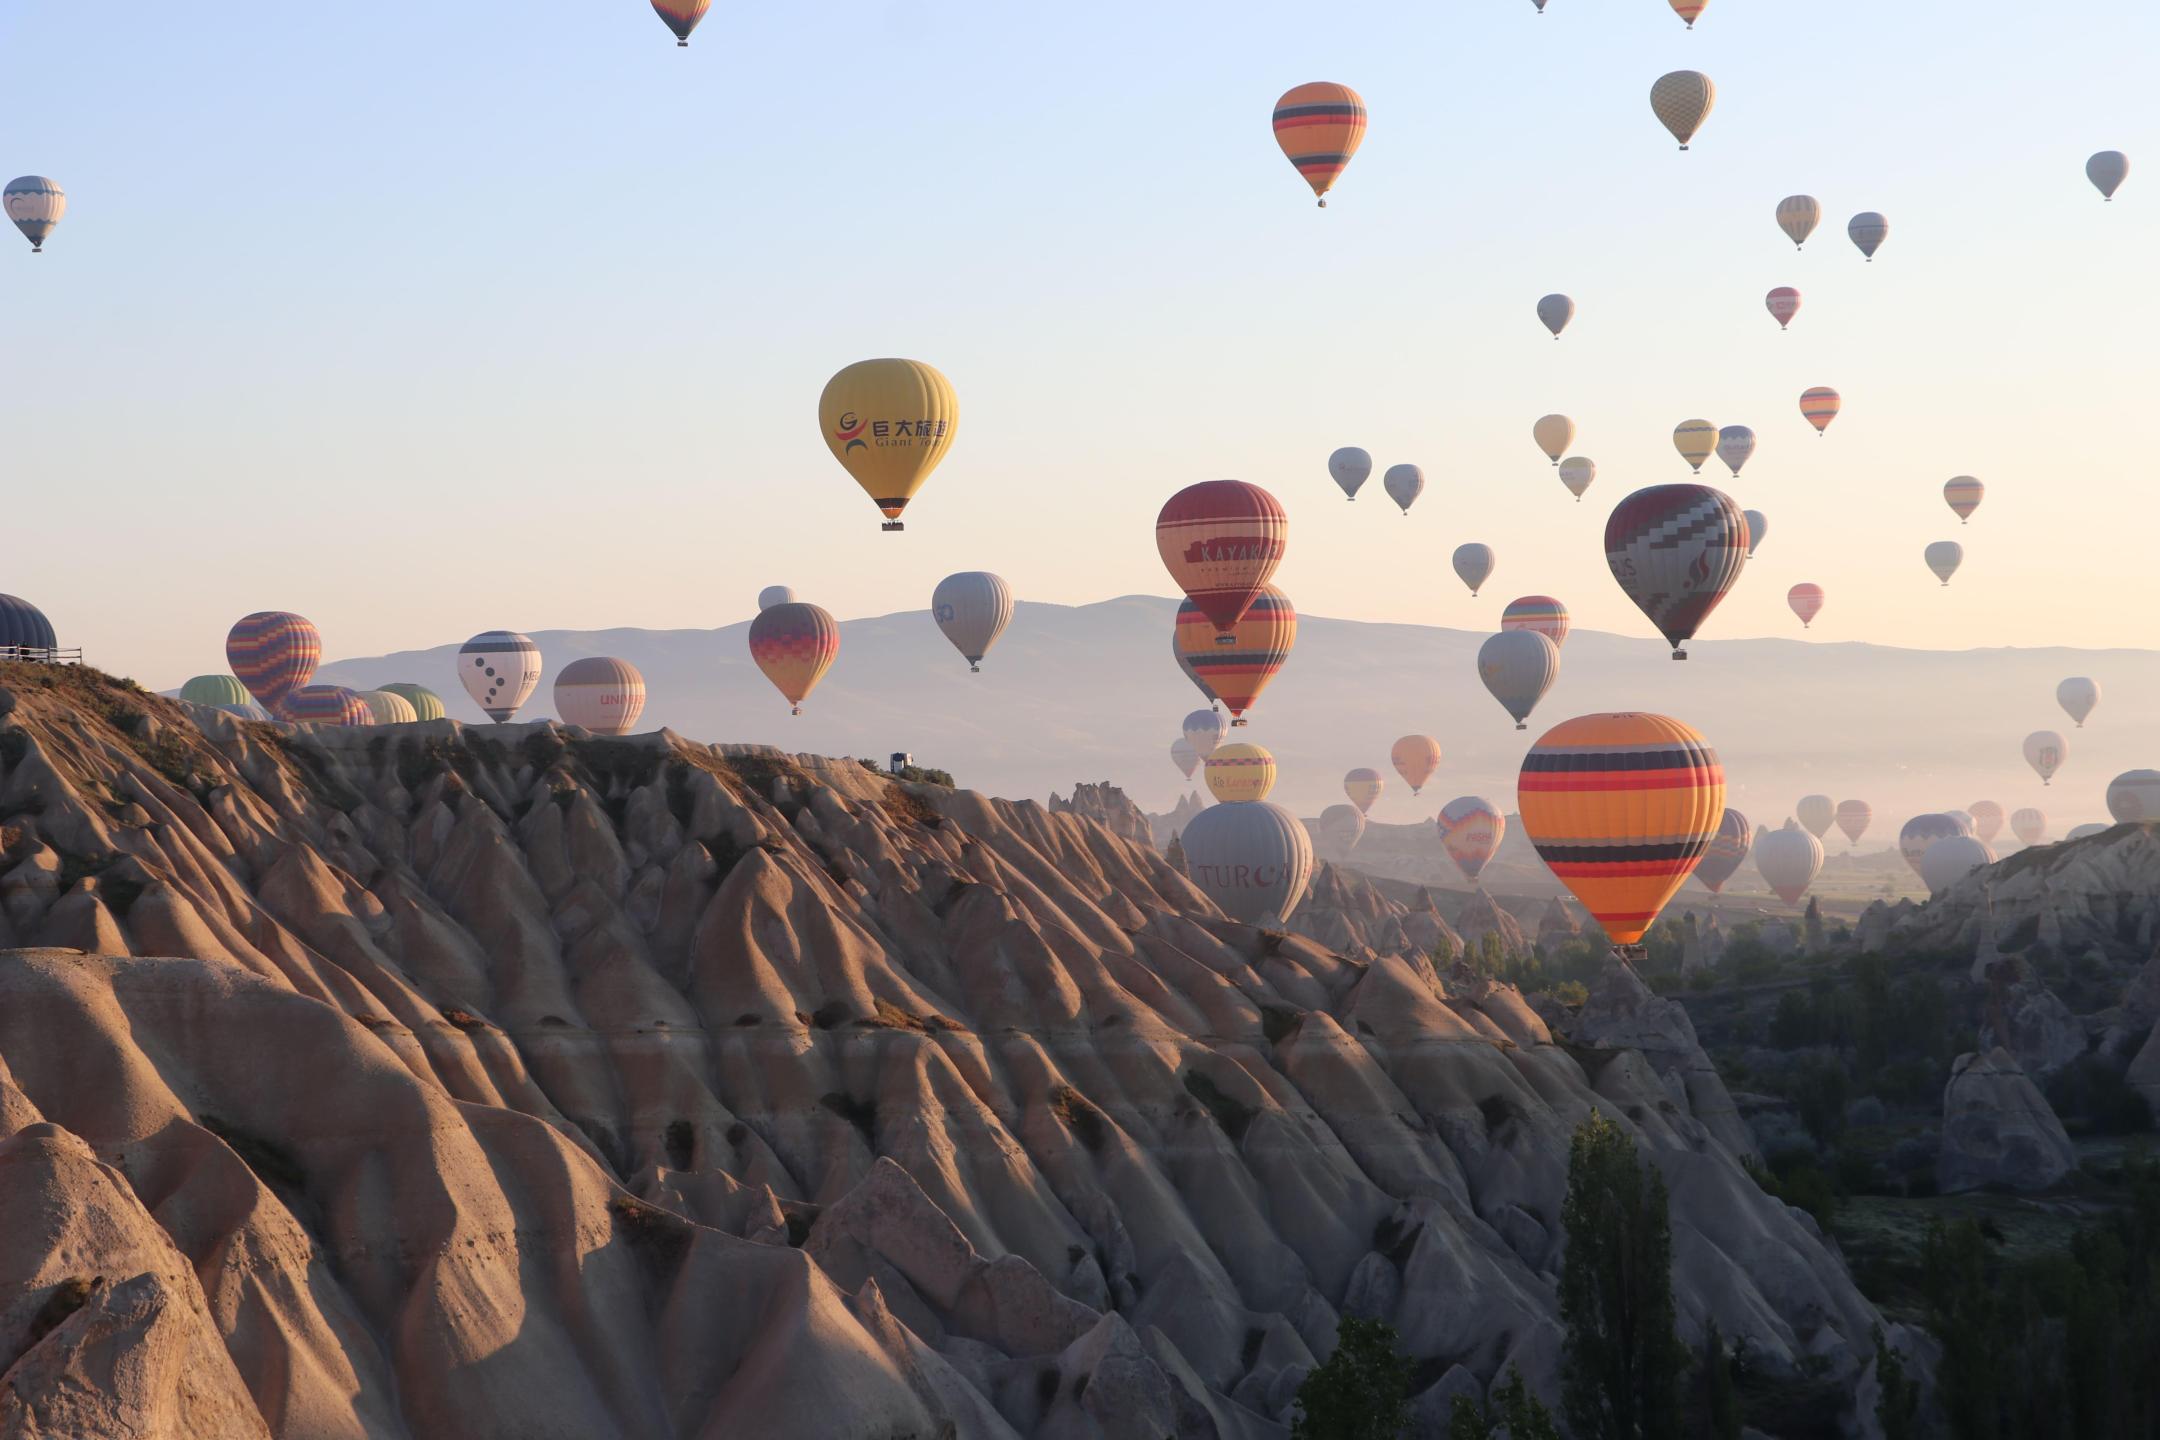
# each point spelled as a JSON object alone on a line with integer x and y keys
{"x": 1696, "y": 440}
{"x": 1239, "y": 774}
{"x": 889, "y": 423}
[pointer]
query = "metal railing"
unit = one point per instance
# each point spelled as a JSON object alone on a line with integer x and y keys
{"x": 40, "y": 655}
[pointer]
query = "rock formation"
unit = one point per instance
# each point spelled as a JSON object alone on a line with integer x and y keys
{"x": 1162, "y": 827}
{"x": 1481, "y": 916}
{"x": 2100, "y": 894}
{"x": 507, "y": 1082}
{"x": 1998, "y": 1130}
{"x": 1109, "y": 807}
{"x": 2030, "y": 1021}
{"x": 1557, "y": 925}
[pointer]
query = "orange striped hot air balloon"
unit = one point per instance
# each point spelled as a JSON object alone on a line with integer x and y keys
{"x": 1688, "y": 9}
{"x": 1541, "y": 613}
{"x": 1416, "y": 757}
{"x": 1622, "y": 808}
{"x": 1221, "y": 540}
{"x": 1259, "y": 644}
{"x": 794, "y": 644}
{"x": 1319, "y": 127}
{"x": 1820, "y": 406}
{"x": 681, "y": 16}
{"x": 1963, "y": 494}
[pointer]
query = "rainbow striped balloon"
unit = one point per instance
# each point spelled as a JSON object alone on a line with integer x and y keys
{"x": 1259, "y": 644}
{"x": 1820, "y": 406}
{"x": 681, "y": 16}
{"x": 1622, "y": 808}
{"x": 1963, "y": 495}
{"x": 273, "y": 652}
{"x": 1727, "y": 849}
{"x": 327, "y": 705}
{"x": 1471, "y": 828}
{"x": 1541, "y": 613}
{"x": 1319, "y": 127}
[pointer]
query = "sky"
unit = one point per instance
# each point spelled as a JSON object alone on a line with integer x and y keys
{"x": 423, "y": 319}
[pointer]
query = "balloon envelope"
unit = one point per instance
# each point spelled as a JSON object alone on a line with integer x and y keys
{"x": 1221, "y": 540}
{"x": 1363, "y": 785}
{"x": 2107, "y": 170}
{"x": 326, "y": 705}
{"x": 2029, "y": 825}
{"x": 1677, "y": 550}
{"x": 1987, "y": 818}
{"x": 681, "y": 16}
{"x": 1943, "y": 557}
{"x": 1758, "y": 526}
{"x": 1727, "y": 849}
{"x": 1806, "y": 601}
{"x": 1696, "y": 440}
{"x": 2045, "y": 751}
{"x": 794, "y": 645}
{"x": 1951, "y": 859}
{"x": 2082, "y": 832}
{"x": 500, "y": 669}
{"x": 1474, "y": 563}
{"x": 1204, "y": 730}
{"x": 1963, "y": 494}
{"x": 1622, "y": 808}
{"x": 1555, "y": 311}
{"x": 1815, "y": 813}
{"x": 1688, "y": 9}
{"x": 1820, "y": 406}
{"x": 1518, "y": 667}
{"x": 601, "y": 693}
{"x": 1541, "y": 613}
{"x": 1920, "y": 832}
{"x": 1349, "y": 467}
{"x": 1868, "y": 231}
{"x": 1403, "y": 483}
{"x": 1415, "y": 758}
{"x": 1341, "y": 826}
{"x": 388, "y": 708}
{"x": 773, "y": 595}
{"x": 1853, "y": 817}
{"x": 1797, "y": 216}
{"x": 1576, "y": 473}
{"x": 1783, "y": 303}
{"x": 889, "y": 422}
{"x": 1735, "y": 443}
{"x": 1184, "y": 756}
{"x": 1253, "y": 860}
{"x": 427, "y": 705}
{"x": 1789, "y": 860}
{"x": 2133, "y": 797}
{"x": 224, "y": 691}
{"x": 273, "y": 653}
{"x": 1240, "y": 773}
{"x": 972, "y": 608}
{"x": 2077, "y": 696}
{"x": 1471, "y": 829}
{"x": 1259, "y": 645}
{"x": 1177, "y": 653}
{"x": 35, "y": 204}
{"x": 1319, "y": 127}
{"x": 1681, "y": 101}
{"x": 1553, "y": 434}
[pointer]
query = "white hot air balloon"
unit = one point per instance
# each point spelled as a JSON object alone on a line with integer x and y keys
{"x": 1349, "y": 467}
{"x": 1789, "y": 860}
{"x": 2133, "y": 797}
{"x": 601, "y": 693}
{"x": 1797, "y": 216}
{"x": 35, "y": 204}
{"x": 1951, "y": 859}
{"x": 1184, "y": 756}
{"x": 972, "y": 608}
{"x": 1944, "y": 557}
{"x": 2107, "y": 170}
{"x": 1868, "y": 230}
{"x": 1555, "y": 311}
{"x": 1553, "y": 434}
{"x": 1681, "y": 101}
{"x": 2029, "y": 825}
{"x": 1403, "y": 483}
{"x": 1816, "y": 812}
{"x": 499, "y": 669}
{"x": 2085, "y": 832}
{"x": 1758, "y": 525}
{"x": 1474, "y": 563}
{"x": 1204, "y": 730}
{"x": 1735, "y": 443}
{"x": 1342, "y": 826}
{"x": 1253, "y": 859}
{"x": 2045, "y": 751}
{"x": 1576, "y": 473}
{"x": 2077, "y": 696}
{"x": 773, "y": 595}
{"x": 1519, "y": 670}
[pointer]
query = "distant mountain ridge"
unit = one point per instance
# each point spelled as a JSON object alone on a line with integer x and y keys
{"x": 1091, "y": 690}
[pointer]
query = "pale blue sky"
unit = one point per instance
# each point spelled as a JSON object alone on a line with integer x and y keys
{"x": 427, "y": 318}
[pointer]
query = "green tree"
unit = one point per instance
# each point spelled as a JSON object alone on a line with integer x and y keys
{"x": 1720, "y": 1399}
{"x": 1514, "y": 1408}
{"x": 1897, "y": 1402}
{"x": 1621, "y": 1366}
{"x": 1361, "y": 1392}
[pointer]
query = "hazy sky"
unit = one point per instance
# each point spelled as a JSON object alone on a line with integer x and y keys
{"x": 427, "y": 318}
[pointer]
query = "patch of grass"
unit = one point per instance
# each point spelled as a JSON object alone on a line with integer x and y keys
{"x": 67, "y": 1297}
{"x": 1233, "y": 1115}
{"x": 272, "y": 1163}
{"x": 862, "y": 1114}
{"x": 1081, "y": 1117}
{"x": 892, "y": 1016}
{"x": 909, "y": 808}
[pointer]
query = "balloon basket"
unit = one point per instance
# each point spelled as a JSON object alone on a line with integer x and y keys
{"x": 796, "y": 710}
{"x": 682, "y": 44}
{"x": 1226, "y": 639}
{"x": 1679, "y": 654}
{"x": 892, "y": 525}
{"x": 1239, "y": 721}
{"x": 974, "y": 669}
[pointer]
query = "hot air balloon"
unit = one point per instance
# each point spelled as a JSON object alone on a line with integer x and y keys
{"x": 1403, "y": 483}
{"x": 1797, "y": 216}
{"x": 1363, "y": 786}
{"x": 1783, "y": 303}
{"x": 426, "y": 704}
{"x": 1951, "y": 859}
{"x": 1963, "y": 494}
{"x": 1987, "y": 818}
{"x": 1555, "y": 311}
{"x": 2077, "y": 696}
{"x": 273, "y": 652}
{"x": 1853, "y": 817}
{"x": 1471, "y": 829}
{"x": 1868, "y": 230}
{"x": 1518, "y": 667}
{"x": 35, "y": 204}
{"x": 1943, "y": 557}
{"x": 223, "y": 692}
{"x": 1735, "y": 443}
{"x": 1184, "y": 756}
{"x": 2029, "y": 825}
{"x": 2133, "y": 797}
{"x": 1820, "y": 406}
{"x": 1177, "y": 653}
{"x": 1621, "y": 808}
{"x": 2107, "y": 170}
{"x": 1204, "y": 730}
{"x": 1221, "y": 540}
{"x": 1806, "y": 600}
{"x": 1252, "y": 860}
{"x": 1319, "y": 127}
{"x": 326, "y": 705}
{"x": 1758, "y": 525}
{"x": 1541, "y": 613}
{"x": 1815, "y": 813}
{"x": 1676, "y": 550}
{"x": 1350, "y": 467}
{"x": 972, "y": 608}
{"x": 1688, "y": 9}
{"x": 1415, "y": 758}
{"x": 1474, "y": 563}
{"x": 1259, "y": 644}
{"x": 2045, "y": 751}
{"x": 1727, "y": 849}
{"x": 1576, "y": 473}
{"x": 601, "y": 693}
{"x": 1341, "y": 826}
{"x": 1920, "y": 832}
{"x": 1964, "y": 821}
{"x": 1553, "y": 434}
{"x": 2084, "y": 832}
{"x": 386, "y": 707}
{"x": 1696, "y": 440}
{"x": 500, "y": 669}
{"x": 773, "y": 595}
{"x": 1241, "y": 773}
{"x": 889, "y": 423}
{"x": 794, "y": 644}
{"x": 1681, "y": 101}
{"x": 1789, "y": 860}
{"x": 681, "y": 16}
